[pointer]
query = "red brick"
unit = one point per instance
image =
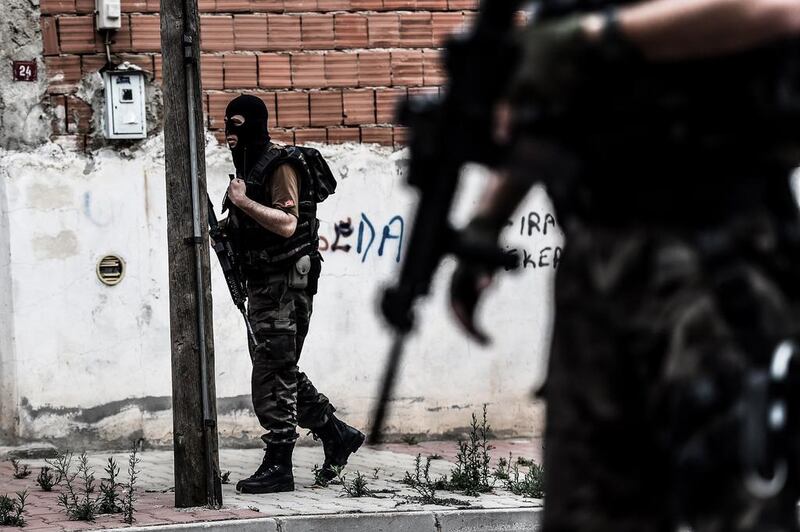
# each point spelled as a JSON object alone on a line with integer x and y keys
{"x": 350, "y": 30}
{"x": 268, "y": 6}
{"x": 146, "y": 33}
{"x": 85, "y": 7}
{"x": 400, "y": 136}
{"x": 396, "y": 5}
{"x": 366, "y": 5}
{"x": 227, "y": 6}
{"x": 317, "y": 32}
{"x": 444, "y": 25}
{"x": 207, "y": 6}
{"x": 63, "y": 73}
{"x": 374, "y": 69}
{"x": 377, "y": 135}
{"x": 432, "y": 5}
{"x": 77, "y": 34}
{"x": 55, "y": 7}
{"x": 333, "y": 5}
{"x": 340, "y": 135}
{"x": 274, "y": 71}
{"x": 359, "y": 106}
{"x": 241, "y": 72}
{"x": 433, "y": 72}
{"x": 325, "y": 108}
{"x": 282, "y": 136}
{"x": 284, "y": 32}
{"x": 308, "y": 71}
{"x": 416, "y": 30}
{"x": 469, "y": 20}
{"x": 216, "y": 33}
{"x": 250, "y": 32}
{"x": 49, "y": 36}
{"x": 384, "y": 30}
{"x": 423, "y": 92}
{"x": 158, "y": 64}
{"x": 341, "y": 69}
{"x": 386, "y": 103}
{"x": 217, "y": 102}
{"x": 212, "y": 72}
{"x": 121, "y": 40}
{"x": 299, "y": 6}
{"x": 293, "y": 109}
{"x": 407, "y": 67}
{"x": 458, "y": 5}
{"x": 303, "y": 136}
{"x": 58, "y": 122}
{"x": 220, "y": 136}
{"x": 91, "y": 64}
{"x": 133, "y": 6}
{"x": 154, "y": 5}
{"x": 79, "y": 116}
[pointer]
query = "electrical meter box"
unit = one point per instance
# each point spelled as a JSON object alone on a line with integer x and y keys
{"x": 109, "y": 14}
{"x": 126, "y": 113}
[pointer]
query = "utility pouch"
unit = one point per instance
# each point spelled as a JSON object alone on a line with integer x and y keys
{"x": 298, "y": 275}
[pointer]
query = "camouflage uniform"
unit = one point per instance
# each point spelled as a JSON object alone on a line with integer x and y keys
{"x": 283, "y": 396}
{"x": 641, "y": 313}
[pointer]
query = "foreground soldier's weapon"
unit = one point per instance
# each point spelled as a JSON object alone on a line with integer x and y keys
{"x": 227, "y": 261}
{"x": 444, "y": 136}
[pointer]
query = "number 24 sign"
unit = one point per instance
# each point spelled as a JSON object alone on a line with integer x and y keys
{"x": 25, "y": 71}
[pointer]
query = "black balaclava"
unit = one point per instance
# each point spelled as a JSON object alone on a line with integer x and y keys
{"x": 253, "y": 134}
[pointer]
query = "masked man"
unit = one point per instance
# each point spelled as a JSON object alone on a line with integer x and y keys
{"x": 273, "y": 226}
{"x": 665, "y": 132}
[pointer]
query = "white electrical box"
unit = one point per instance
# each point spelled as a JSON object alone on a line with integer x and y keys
{"x": 109, "y": 14}
{"x": 126, "y": 111}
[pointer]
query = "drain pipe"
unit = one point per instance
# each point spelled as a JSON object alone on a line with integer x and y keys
{"x": 209, "y": 423}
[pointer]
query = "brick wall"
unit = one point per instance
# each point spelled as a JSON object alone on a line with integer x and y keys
{"x": 328, "y": 70}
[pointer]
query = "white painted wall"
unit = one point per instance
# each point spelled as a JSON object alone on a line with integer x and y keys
{"x": 92, "y": 362}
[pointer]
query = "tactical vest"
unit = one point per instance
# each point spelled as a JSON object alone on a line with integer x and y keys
{"x": 259, "y": 248}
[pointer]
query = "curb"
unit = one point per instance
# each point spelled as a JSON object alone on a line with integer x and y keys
{"x": 505, "y": 520}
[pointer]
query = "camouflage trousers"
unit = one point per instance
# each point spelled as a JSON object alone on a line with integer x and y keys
{"x": 639, "y": 314}
{"x": 283, "y": 396}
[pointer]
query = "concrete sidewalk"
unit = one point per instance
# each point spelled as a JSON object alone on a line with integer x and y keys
{"x": 310, "y": 507}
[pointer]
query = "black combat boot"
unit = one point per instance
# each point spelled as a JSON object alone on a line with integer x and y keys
{"x": 274, "y": 474}
{"x": 339, "y": 440}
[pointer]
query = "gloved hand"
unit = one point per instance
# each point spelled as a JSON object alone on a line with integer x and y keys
{"x": 471, "y": 279}
{"x": 553, "y": 61}
{"x": 563, "y": 65}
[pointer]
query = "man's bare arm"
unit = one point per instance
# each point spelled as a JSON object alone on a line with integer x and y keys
{"x": 666, "y": 30}
{"x": 274, "y": 220}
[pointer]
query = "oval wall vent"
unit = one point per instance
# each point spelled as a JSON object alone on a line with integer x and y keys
{"x": 110, "y": 270}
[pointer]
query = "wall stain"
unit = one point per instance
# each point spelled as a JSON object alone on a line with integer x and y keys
{"x": 61, "y": 246}
{"x": 47, "y": 197}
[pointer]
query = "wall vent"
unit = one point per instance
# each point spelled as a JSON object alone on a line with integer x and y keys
{"x": 110, "y": 270}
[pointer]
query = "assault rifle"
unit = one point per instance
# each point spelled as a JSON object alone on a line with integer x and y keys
{"x": 444, "y": 135}
{"x": 227, "y": 261}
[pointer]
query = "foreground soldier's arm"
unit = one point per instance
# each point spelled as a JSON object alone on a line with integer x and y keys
{"x": 656, "y": 30}
{"x": 279, "y": 222}
{"x": 682, "y": 29}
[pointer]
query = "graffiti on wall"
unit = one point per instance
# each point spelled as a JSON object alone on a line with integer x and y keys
{"x": 372, "y": 238}
{"x": 368, "y": 238}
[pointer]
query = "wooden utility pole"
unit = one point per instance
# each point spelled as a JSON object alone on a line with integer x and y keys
{"x": 196, "y": 447}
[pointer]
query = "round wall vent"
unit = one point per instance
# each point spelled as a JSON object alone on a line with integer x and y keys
{"x": 110, "y": 270}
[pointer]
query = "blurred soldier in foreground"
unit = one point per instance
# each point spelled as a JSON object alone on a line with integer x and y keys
{"x": 273, "y": 228}
{"x": 665, "y": 132}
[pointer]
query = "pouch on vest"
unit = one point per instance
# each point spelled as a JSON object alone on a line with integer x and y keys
{"x": 298, "y": 275}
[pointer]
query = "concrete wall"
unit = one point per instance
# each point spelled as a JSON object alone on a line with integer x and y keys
{"x": 93, "y": 362}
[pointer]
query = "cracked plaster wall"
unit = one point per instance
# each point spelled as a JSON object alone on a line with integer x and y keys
{"x": 93, "y": 362}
